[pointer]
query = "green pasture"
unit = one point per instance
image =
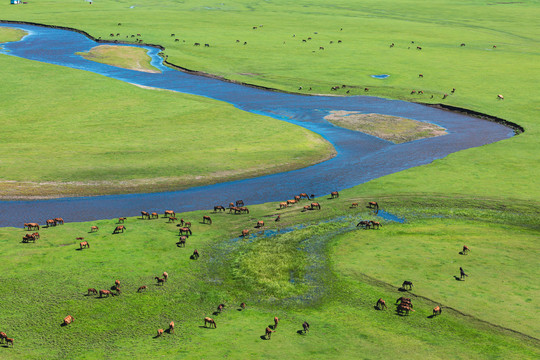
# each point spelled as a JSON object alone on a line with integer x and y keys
{"x": 323, "y": 272}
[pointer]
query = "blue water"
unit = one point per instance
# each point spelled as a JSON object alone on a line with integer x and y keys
{"x": 382, "y": 76}
{"x": 360, "y": 157}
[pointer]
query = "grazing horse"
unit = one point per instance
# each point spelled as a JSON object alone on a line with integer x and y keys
{"x": 244, "y": 210}
{"x": 33, "y": 226}
{"x": 187, "y": 224}
{"x": 50, "y": 222}
{"x": 206, "y": 45}
{"x": 403, "y": 308}
{"x": 165, "y": 275}
{"x": 92, "y": 291}
{"x": 94, "y": 228}
{"x": 445, "y": 96}
{"x": 462, "y": 273}
{"x": 119, "y": 228}
{"x": 354, "y": 205}
{"x": 334, "y": 194}
{"x": 365, "y": 224}
{"x": 3, "y": 336}
{"x": 182, "y": 241}
{"x": 315, "y": 205}
{"x": 159, "y": 280}
{"x": 172, "y": 219}
{"x": 154, "y": 215}
{"x": 465, "y": 249}
{"x": 304, "y": 195}
{"x": 420, "y": 75}
{"x": 219, "y": 207}
{"x": 196, "y": 44}
{"x": 9, "y": 341}
{"x": 185, "y": 230}
{"x": 268, "y": 333}
{"x": 305, "y": 325}
{"x": 231, "y": 205}
{"x": 413, "y": 92}
{"x": 239, "y": 202}
{"x": 171, "y": 327}
{"x": 437, "y": 310}
{"x": 58, "y": 221}
{"x": 235, "y": 209}
{"x": 375, "y": 224}
{"x": 404, "y": 300}
{"x": 220, "y": 307}
{"x": 276, "y": 321}
{"x": 68, "y": 320}
{"x": 243, "y": 305}
{"x": 245, "y": 233}
{"x": 169, "y": 213}
{"x": 381, "y": 304}
{"x": 283, "y": 205}
{"x": 407, "y": 284}
{"x": 278, "y": 218}
{"x": 159, "y": 332}
{"x": 260, "y": 224}
{"x": 210, "y": 321}
{"x": 30, "y": 237}
{"x": 144, "y": 214}
{"x": 141, "y": 288}
{"x": 117, "y": 283}
{"x": 306, "y": 208}
{"x": 84, "y": 244}
{"x": 105, "y": 292}
{"x": 500, "y": 97}
{"x": 462, "y": 44}
{"x": 121, "y": 220}
{"x": 195, "y": 254}
{"x": 297, "y": 198}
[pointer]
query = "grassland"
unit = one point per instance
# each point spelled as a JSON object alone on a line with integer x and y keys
{"x": 133, "y": 58}
{"x": 392, "y": 128}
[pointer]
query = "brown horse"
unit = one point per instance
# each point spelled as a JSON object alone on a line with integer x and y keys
{"x": 119, "y": 228}
{"x": 92, "y": 291}
{"x": 231, "y": 205}
{"x": 291, "y": 202}
{"x": 105, "y": 292}
{"x": 403, "y": 300}
{"x": 276, "y": 321}
{"x": 187, "y": 224}
{"x": 381, "y": 304}
{"x": 141, "y": 288}
{"x": 50, "y": 222}
{"x": 500, "y": 97}
{"x": 278, "y": 218}
{"x": 68, "y": 320}
{"x": 185, "y": 230}
{"x": 305, "y": 325}
{"x": 9, "y": 341}
{"x": 84, "y": 244}
{"x": 220, "y": 308}
{"x": 159, "y": 280}
{"x": 315, "y": 205}
{"x": 169, "y": 213}
{"x": 154, "y": 215}
{"x": 206, "y": 219}
{"x": 245, "y": 233}
{"x": 334, "y": 194}
{"x": 159, "y": 332}
{"x": 3, "y": 336}
{"x": 117, "y": 283}
{"x": 297, "y": 198}
{"x": 404, "y": 308}
{"x": 306, "y": 208}
{"x": 354, "y": 205}
{"x": 283, "y": 205}
{"x": 182, "y": 241}
{"x": 171, "y": 327}
{"x": 121, "y": 220}
{"x": 260, "y": 224}
{"x": 465, "y": 249}
{"x": 195, "y": 254}
{"x": 32, "y": 226}
{"x": 58, "y": 221}
{"x": 244, "y": 210}
{"x": 94, "y": 228}
{"x": 268, "y": 333}
{"x": 219, "y": 207}
{"x": 375, "y": 224}
{"x": 239, "y": 202}
{"x": 172, "y": 218}
{"x": 304, "y": 195}
{"x": 165, "y": 275}
{"x": 235, "y": 209}
{"x": 243, "y": 305}
{"x": 437, "y": 310}
{"x": 210, "y": 321}
{"x": 373, "y": 205}
{"x": 144, "y": 214}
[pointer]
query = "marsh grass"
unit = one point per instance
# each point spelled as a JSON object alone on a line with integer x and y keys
{"x": 126, "y": 57}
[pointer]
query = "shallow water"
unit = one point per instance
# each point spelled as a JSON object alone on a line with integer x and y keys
{"x": 360, "y": 157}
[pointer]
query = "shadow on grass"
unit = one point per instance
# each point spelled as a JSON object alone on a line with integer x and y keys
{"x": 458, "y": 278}
{"x": 78, "y": 249}
{"x": 301, "y": 332}
{"x": 431, "y": 316}
{"x": 263, "y": 337}
{"x": 402, "y": 289}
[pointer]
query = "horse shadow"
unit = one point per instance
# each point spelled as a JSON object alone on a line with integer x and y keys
{"x": 168, "y": 331}
{"x": 301, "y": 332}
{"x": 239, "y": 309}
{"x": 215, "y": 313}
{"x": 263, "y": 337}
{"x": 156, "y": 336}
{"x": 193, "y": 257}
{"x": 458, "y": 278}
{"x": 78, "y": 249}
{"x": 273, "y": 327}
{"x": 431, "y": 316}
{"x": 461, "y": 253}
{"x": 402, "y": 289}
{"x": 63, "y": 324}
{"x": 376, "y": 308}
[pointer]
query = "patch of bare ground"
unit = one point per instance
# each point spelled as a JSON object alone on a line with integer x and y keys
{"x": 392, "y": 128}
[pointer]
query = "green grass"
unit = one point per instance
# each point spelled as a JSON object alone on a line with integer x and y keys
{"x": 121, "y": 56}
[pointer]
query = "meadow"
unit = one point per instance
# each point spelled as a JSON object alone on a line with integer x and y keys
{"x": 327, "y": 271}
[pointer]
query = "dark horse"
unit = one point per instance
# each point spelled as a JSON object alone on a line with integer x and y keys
{"x": 407, "y": 284}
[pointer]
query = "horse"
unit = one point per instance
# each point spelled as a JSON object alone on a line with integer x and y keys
{"x": 141, "y": 288}
{"x": 334, "y": 194}
{"x": 260, "y": 224}
{"x": 159, "y": 332}
{"x": 154, "y": 215}
{"x": 500, "y": 97}
{"x": 268, "y": 333}
{"x": 305, "y": 325}
{"x": 219, "y": 207}
{"x": 304, "y": 195}
{"x": 244, "y": 210}
{"x": 144, "y": 214}
{"x": 165, "y": 275}
{"x": 3, "y": 336}
{"x": 420, "y": 75}
{"x": 453, "y": 90}
{"x": 465, "y": 249}
{"x": 187, "y": 224}
{"x": 243, "y": 305}
{"x": 403, "y": 300}
{"x": 33, "y": 226}
{"x": 169, "y": 213}
{"x": 283, "y": 205}
{"x": 245, "y": 233}
{"x": 206, "y": 45}
{"x": 58, "y": 221}
{"x": 50, "y": 223}
{"x": 195, "y": 254}
{"x": 404, "y": 308}
{"x": 462, "y": 44}
{"x": 276, "y": 321}
{"x": 185, "y": 230}
{"x": 278, "y": 218}
{"x": 321, "y": 48}
{"x": 121, "y": 220}
{"x": 290, "y": 202}
{"x": 315, "y": 205}
{"x": 354, "y": 205}
{"x": 9, "y": 341}
{"x": 235, "y": 209}
{"x": 381, "y": 304}
{"x": 297, "y": 198}
{"x": 375, "y": 224}
{"x": 196, "y": 44}
{"x": 182, "y": 241}
{"x": 68, "y": 320}
{"x": 159, "y": 280}
{"x": 413, "y": 92}
{"x": 172, "y": 219}
{"x": 231, "y": 205}
{"x": 105, "y": 292}
{"x": 445, "y": 96}
{"x": 84, "y": 244}
{"x": 92, "y": 291}
{"x": 239, "y": 202}
{"x": 210, "y": 321}
{"x": 462, "y": 273}
{"x": 117, "y": 283}
{"x": 306, "y": 208}
{"x": 392, "y": 45}
{"x": 94, "y": 228}
{"x": 171, "y": 327}
{"x": 407, "y": 284}
{"x": 119, "y": 228}
{"x": 437, "y": 310}
{"x": 365, "y": 224}
{"x": 220, "y": 307}
{"x": 418, "y": 48}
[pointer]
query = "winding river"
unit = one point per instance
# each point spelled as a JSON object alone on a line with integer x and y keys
{"x": 360, "y": 157}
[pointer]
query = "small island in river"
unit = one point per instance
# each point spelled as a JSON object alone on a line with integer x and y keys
{"x": 127, "y": 57}
{"x": 392, "y": 128}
